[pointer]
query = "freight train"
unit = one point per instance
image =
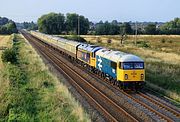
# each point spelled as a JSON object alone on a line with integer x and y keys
{"x": 122, "y": 69}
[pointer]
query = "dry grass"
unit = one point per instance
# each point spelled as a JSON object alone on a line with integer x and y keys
{"x": 5, "y": 41}
{"x": 158, "y": 51}
{"x": 155, "y": 41}
{"x": 151, "y": 55}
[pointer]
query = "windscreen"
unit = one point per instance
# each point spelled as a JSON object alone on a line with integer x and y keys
{"x": 133, "y": 65}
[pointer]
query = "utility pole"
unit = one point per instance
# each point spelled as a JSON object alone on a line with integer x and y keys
{"x": 78, "y": 27}
{"x": 120, "y": 34}
{"x": 136, "y": 33}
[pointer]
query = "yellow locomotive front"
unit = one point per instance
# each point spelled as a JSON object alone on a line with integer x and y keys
{"x": 131, "y": 73}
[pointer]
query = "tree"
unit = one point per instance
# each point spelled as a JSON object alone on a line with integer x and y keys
{"x": 84, "y": 25}
{"x": 172, "y": 27}
{"x": 122, "y": 33}
{"x": 3, "y": 30}
{"x": 3, "y": 20}
{"x": 150, "y": 29}
{"x": 30, "y": 26}
{"x": 72, "y": 23}
{"x": 125, "y": 28}
{"x": 7, "y": 26}
{"x": 114, "y": 29}
{"x": 11, "y": 28}
{"x": 51, "y": 23}
{"x": 114, "y": 22}
{"x": 106, "y": 28}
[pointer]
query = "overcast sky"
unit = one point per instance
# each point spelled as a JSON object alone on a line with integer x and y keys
{"x": 95, "y": 10}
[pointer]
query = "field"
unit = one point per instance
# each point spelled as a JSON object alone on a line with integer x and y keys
{"x": 156, "y": 42}
{"x": 31, "y": 93}
{"x": 161, "y": 54}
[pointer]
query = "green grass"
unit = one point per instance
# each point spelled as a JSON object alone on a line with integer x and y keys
{"x": 32, "y": 93}
{"x": 161, "y": 56}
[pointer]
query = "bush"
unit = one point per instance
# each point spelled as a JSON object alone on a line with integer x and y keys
{"x": 99, "y": 40}
{"x": 9, "y": 55}
{"x": 170, "y": 41}
{"x": 163, "y": 40}
{"x": 109, "y": 41}
{"x": 143, "y": 44}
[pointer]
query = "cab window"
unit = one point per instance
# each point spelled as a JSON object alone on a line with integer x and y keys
{"x": 138, "y": 65}
{"x": 133, "y": 65}
{"x": 120, "y": 65}
{"x": 113, "y": 65}
{"x": 93, "y": 55}
{"x": 128, "y": 66}
{"x": 88, "y": 55}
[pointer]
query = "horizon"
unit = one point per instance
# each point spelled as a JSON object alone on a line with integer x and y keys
{"x": 122, "y": 11}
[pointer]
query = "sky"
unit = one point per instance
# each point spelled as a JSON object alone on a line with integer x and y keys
{"x": 94, "y": 10}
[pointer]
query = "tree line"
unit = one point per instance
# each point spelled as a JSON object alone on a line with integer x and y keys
{"x": 7, "y": 26}
{"x": 57, "y": 23}
{"x": 172, "y": 27}
{"x": 112, "y": 28}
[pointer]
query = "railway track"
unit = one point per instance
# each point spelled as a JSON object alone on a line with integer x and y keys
{"x": 113, "y": 116}
{"x": 173, "y": 115}
{"x": 108, "y": 108}
{"x": 162, "y": 96}
{"x": 168, "y": 110}
{"x": 158, "y": 103}
{"x": 154, "y": 111}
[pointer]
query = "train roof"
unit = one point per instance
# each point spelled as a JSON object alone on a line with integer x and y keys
{"x": 82, "y": 46}
{"x": 88, "y": 47}
{"x": 131, "y": 58}
{"x": 65, "y": 41}
{"x": 118, "y": 56}
{"x": 73, "y": 43}
{"x": 55, "y": 38}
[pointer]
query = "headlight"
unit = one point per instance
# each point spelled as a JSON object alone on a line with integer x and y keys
{"x": 142, "y": 76}
{"x": 125, "y": 76}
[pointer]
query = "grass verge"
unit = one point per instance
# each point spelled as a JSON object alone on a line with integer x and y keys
{"x": 32, "y": 93}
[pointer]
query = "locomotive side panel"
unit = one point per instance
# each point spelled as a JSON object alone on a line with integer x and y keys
{"x": 106, "y": 66}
